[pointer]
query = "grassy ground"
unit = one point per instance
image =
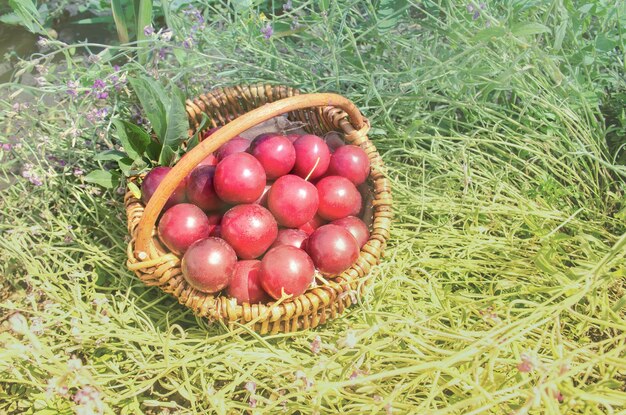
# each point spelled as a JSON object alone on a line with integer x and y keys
{"x": 502, "y": 289}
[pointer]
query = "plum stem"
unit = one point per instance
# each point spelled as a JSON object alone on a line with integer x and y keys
{"x": 313, "y": 169}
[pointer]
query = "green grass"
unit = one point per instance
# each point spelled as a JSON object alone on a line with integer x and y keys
{"x": 508, "y": 241}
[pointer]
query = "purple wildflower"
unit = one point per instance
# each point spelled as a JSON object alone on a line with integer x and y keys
{"x": 188, "y": 42}
{"x": 6, "y": 147}
{"x": 195, "y": 14}
{"x": 482, "y": 6}
{"x": 116, "y": 68}
{"x": 96, "y": 115}
{"x": 71, "y": 88}
{"x": 148, "y": 30}
{"x": 287, "y": 6}
{"x": 267, "y": 31}
{"x": 476, "y": 15}
{"x": 36, "y": 181}
{"x": 470, "y": 8}
{"x": 98, "y": 88}
{"x": 29, "y": 174}
{"x": 78, "y": 172}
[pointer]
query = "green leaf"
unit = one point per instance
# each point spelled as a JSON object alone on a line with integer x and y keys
{"x": 245, "y": 5}
{"x": 559, "y": 35}
{"x": 586, "y": 8}
{"x": 177, "y": 126}
{"x": 28, "y": 14}
{"x": 389, "y": 13}
{"x": 604, "y": 44}
{"x": 134, "y": 190}
{"x": 527, "y": 29}
{"x": 125, "y": 164}
{"x": 195, "y": 139}
{"x": 134, "y": 139}
{"x": 144, "y": 18}
{"x": 10, "y": 18}
{"x": 110, "y": 155}
{"x": 151, "y": 102}
{"x": 489, "y": 33}
{"x": 167, "y": 157}
{"x": 93, "y": 20}
{"x": 120, "y": 21}
{"x": 106, "y": 179}
{"x": 152, "y": 151}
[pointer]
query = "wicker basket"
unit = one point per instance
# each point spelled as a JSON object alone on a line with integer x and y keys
{"x": 238, "y": 109}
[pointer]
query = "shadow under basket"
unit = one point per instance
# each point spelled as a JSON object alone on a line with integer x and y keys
{"x": 235, "y": 110}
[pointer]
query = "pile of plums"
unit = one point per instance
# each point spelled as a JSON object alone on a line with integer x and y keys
{"x": 259, "y": 217}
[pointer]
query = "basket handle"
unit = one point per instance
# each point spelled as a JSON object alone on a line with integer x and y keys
{"x": 221, "y": 136}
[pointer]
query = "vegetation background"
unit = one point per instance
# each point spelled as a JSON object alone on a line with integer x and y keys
{"x": 502, "y": 124}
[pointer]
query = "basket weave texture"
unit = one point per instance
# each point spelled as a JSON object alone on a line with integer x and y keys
{"x": 237, "y": 109}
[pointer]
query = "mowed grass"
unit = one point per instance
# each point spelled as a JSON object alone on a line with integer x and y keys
{"x": 502, "y": 287}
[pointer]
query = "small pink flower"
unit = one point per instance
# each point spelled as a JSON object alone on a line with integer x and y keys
{"x": 528, "y": 363}
{"x": 88, "y": 400}
{"x": 316, "y": 345}
{"x": 307, "y": 383}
